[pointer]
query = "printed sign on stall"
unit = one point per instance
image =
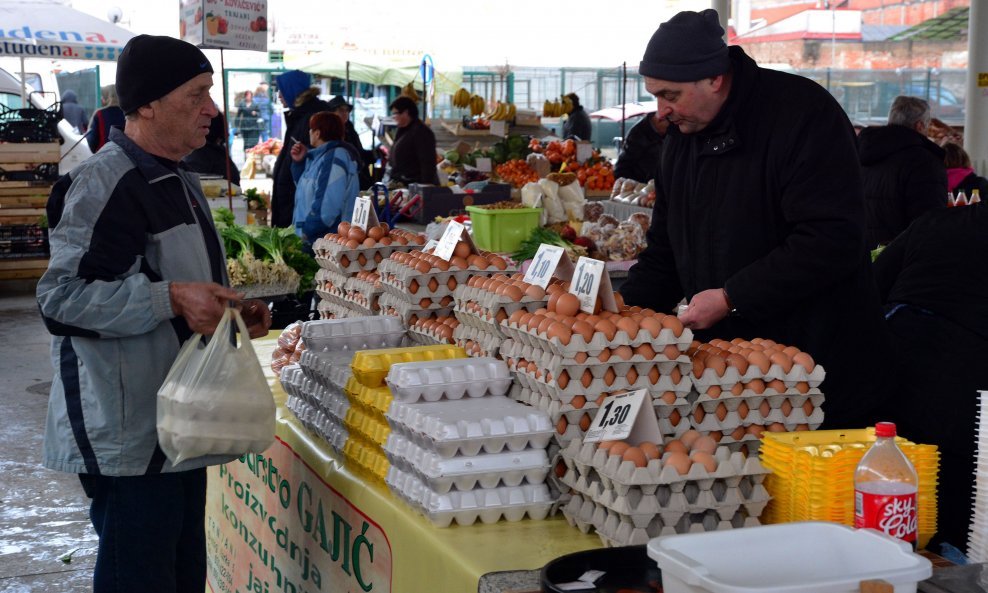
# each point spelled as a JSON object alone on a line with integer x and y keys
{"x": 625, "y": 417}
{"x": 225, "y": 24}
{"x": 453, "y": 234}
{"x": 364, "y": 215}
{"x": 541, "y": 269}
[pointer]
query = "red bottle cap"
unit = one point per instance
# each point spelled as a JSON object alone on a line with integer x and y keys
{"x": 885, "y": 429}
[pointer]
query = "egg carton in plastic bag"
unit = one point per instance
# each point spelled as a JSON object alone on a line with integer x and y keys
{"x": 598, "y": 341}
{"x": 488, "y": 505}
{"x": 360, "y": 333}
{"x": 487, "y": 470}
{"x": 467, "y": 426}
{"x": 450, "y": 379}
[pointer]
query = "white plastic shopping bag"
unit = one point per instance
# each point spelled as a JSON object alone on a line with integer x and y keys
{"x": 215, "y": 399}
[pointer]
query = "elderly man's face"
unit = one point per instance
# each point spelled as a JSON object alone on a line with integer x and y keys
{"x": 691, "y": 106}
{"x": 181, "y": 118}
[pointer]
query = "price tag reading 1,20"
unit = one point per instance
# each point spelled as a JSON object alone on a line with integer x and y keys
{"x": 361, "y": 210}
{"x": 447, "y": 243}
{"x": 586, "y": 282}
{"x": 616, "y": 417}
{"x": 540, "y": 271}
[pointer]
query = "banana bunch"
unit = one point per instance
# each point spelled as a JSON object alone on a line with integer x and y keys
{"x": 409, "y": 91}
{"x": 552, "y": 108}
{"x": 476, "y": 105}
{"x": 503, "y": 112}
{"x": 461, "y": 98}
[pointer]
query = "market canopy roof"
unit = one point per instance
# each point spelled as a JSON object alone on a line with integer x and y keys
{"x": 630, "y": 110}
{"x": 42, "y": 29}
{"x": 372, "y": 69}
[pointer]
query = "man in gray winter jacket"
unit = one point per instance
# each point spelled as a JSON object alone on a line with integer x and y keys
{"x": 136, "y": 268}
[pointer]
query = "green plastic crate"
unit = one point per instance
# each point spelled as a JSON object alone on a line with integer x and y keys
{"x": 503, "y": 231}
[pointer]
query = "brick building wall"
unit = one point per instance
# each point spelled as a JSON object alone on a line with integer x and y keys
{"x": 811, "y": 53}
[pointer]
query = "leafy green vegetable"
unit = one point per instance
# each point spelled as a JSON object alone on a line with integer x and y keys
{"x": 539, "y": 235}
{"x": 236, "y": 240}
{"x": 224, "y": 217}
{"x": 876, "y": 252}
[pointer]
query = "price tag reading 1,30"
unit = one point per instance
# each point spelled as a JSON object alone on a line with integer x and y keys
{"x": 540, "y": 270}
{"x": 447, "y": 243}
{"x": 361, "y": 209}
{"x": 616, "y": 417}
{"x": 586, "y": 282}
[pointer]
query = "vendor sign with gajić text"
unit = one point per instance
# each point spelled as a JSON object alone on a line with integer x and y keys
{"x": 225, "y": 24}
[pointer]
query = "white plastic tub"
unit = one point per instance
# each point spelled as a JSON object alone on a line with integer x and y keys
{"x": 802, "y": 557}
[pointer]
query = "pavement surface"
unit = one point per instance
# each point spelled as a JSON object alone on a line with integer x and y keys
{"x": 47, "y": 544}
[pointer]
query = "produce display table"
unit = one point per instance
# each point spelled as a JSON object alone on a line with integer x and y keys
{"x": 295, "y": 518}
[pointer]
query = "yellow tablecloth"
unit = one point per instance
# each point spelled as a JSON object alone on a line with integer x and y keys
{"x": 295, "y": 518}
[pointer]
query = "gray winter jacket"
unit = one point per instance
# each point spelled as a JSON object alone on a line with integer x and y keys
{"x": 123, "y": 226}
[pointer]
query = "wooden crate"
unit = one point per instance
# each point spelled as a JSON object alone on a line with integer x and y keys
{"x": 22, "y": 202}
{"x": 33, "y": 153}
{"x": 20, "y": 269}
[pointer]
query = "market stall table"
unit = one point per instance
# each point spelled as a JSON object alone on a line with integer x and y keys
{"x": 295, "y": 518}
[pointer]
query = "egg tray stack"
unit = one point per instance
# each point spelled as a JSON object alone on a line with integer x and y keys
{"x": 370, "y": 397}
{"x": 317, "y": 407}
{"x": 630, "y": 501}
{"x": 742, "y": 388}
{"x": 361, "y": 292}
{"x": 434, "y": 330}
{"x": 460, "y": 450}
{"x": 813, "y": 476}
{"x": 348, "y": 257}
{"x": 977, "y": 541}
{"x": 421, "y": 285}
{"x": 334, "y": 289}
{"x": 483, "y": 303}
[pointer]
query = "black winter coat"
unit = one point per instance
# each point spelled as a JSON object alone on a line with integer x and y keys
{"x": 904, "y": 176}
{"x": 365, "y": 158}
{"x": 413, "y": 155}
{"x": 970, "y": 183}
{"x": 283, "y": 191}
{"x": 766, "y": 201}
{"x": 639, "y": 158}
{"x": 578, "y": 124}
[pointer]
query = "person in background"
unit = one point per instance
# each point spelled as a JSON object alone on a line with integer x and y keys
{"x": 760, "y": 229}
{"x": 248, "y": 120}
{"x": 213, "y": 158}
{"x": 642, "y": 149}
{"x": 136, "y": 269}
{"x": 903, "y": 171}
{"x": 413, "y": 155}
{"x": 74, "y": 113}
{"x": 108, "y": 116}
{"x": 577, "y": 124}
{"x": 960, "y": 174}
{"x": 340, "y": 107}
{"x": 263, "y": 102}
{"x": 934, "y": 283}
{"x": 326, "y": 182}
{"x": 302, "y": 100}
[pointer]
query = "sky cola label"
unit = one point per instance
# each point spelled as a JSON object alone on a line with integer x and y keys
{"x": 893, "y": 514}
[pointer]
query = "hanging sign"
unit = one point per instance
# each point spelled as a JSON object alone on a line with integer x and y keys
{"x": 230, "y": 24}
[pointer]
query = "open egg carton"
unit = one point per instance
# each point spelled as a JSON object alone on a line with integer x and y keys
{"x": 487, "y": 470}
{"x": 433, "y": 330}
{"x": 487, "y": 505}
{"x": 349, "y": 256}
{"x": 360, "y": 333}
{"x": 477, "y": 342}
{"x": 409, "y": 312}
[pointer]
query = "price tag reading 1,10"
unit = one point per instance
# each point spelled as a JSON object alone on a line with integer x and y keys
{"x": 616, "y": 417}
{"x": 361, "y": 210}
{"x": 586, "y": 282}
{"x": 451, "y": 236}
{"x": 540, "y": 271}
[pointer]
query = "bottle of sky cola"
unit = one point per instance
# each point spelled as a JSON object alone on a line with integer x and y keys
{"x": 885, "y": 488}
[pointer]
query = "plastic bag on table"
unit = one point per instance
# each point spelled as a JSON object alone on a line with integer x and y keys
{"x": 573, "y": 200}
{"x": 624, "y": 242}
{"x": 215, "y": 399}
{"x": 531, "y": 197}
{"x": 551, "y": 203}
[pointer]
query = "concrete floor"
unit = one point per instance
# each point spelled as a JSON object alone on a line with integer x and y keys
{"x": 47, "y": 544}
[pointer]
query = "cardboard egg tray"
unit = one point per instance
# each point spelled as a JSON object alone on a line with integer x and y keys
{"x": 537, "y": 381}
{"x": 353, "y": 334}
{"x": 468, "y": 426}
{"x": 398, "y": 276}
{"x": 486, "y": 305}
{"x": 410, "y": 312}
{"x": 731, "y": 376}
{"x": 426, "y": 338}
{"x": 597, "y": 343}
{"x": 371, "y": 367}
{"x": 723, "y": 414}
{"x": 448, "y": 379}
{"x": 366, "y": 456}
{"x": 330, "y": 255}
{"x": 477, "y": 342}
{"x": 554, "y": 363}
{"x": 487, "y": 470}
{"x": 615, "y": 530}
{"x": 488, "y": 505}
{"x": 330, "y": 282}
{"x": 334, "y": 311}
{"x": 333, "y": 298}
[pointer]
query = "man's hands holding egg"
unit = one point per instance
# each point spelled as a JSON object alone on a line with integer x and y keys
{"x": 705, "y": 309}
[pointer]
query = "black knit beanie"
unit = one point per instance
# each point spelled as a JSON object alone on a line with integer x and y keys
{"x": 686, "y": 48}
{"x": 151, "y": 66}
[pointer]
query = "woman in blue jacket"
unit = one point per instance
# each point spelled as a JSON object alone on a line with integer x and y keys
{"x": 325, "y": 178}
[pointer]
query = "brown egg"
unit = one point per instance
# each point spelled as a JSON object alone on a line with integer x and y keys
{"x": 808, "y": 408}
{"x": 413, "y": 286}
{"x": 676, "y": 375}
{"x": 478, "y": 261}
{"x": 423, "y": 267}
{"x": 698, "y": 414}
{"x": 650, "y": 449}
{"x": 765, "y": 409}
{"x": 698, "y": 367}
{"x": 760, "y": 360}
{"x": 586, "y": 378}
{"x": 561, "y": 425}
{"x": 357, "y": 234}
{"x": 361, "y": 259}
{"x": 635, "y": 455}
{"x": 668, "y": 397}
{"x": 776, "y": 427}
{"x": 433, "y": 284}
{"x": 689, "y": 437}
{"x": 743, "y": 410}
{"x": 618, "y": 448}
{"x": 777, "y": 385}
{"x": 560, "y": 469}
{"x": 458, "y": 263}
{"x": 737, "y": 389}
{"x": 803, "y": 387}
{"x": 721, "y": 412}
{"x": 651, "y": 325}
{"x": 679, "y": 461}
{"x": 705, "y": 443}
{"x": 600, "y": 398}
{"x": 606, "y": 445}
{"x": 560, "y": 332}
{"x": 462, "y": 249}
{"x": 756, "y": 430}
{"x": 513, "y": 292}
{"x": 343, "y": 228}
{"x": 717, "y": 363}
{"x": 653, "y": 375}
{"x": 714, "y": 391}
{"x": 351, "y": 244}
{"x": 605, "y": 355}
{"x": 623, "y": 352}
{"x": 631, "y": 376}
{"x": 708, "y": 461}
{"x": 628, "y": 326}
{"x": 672, "y": 322}
{"x": 583, "y": 328}
{"x": 675, "y": 417}
{"x": 567, "y": 304}
{"x": 524, "y": 319}
{"x": 534, "y": 321}
{"x": 606, "y": 328}
{"x": 756, "y": 385}
{"x": 645, "y": 351}
{"x": 609, "y": 376}
{"x": 738, "y": 361}
{"x": 563, "y": 379}
{"x": 739, "y": 433}
{"x": 804, "y": 360}
{"x": 786, "y": 407}
{"x": 497, "y": 262}
{"x": 375, "y": 232}
{"x": 578, "y": 401}
{"x": 425, "y": 303}
{"x": 585, "y": 421}
{"x": 781, "y": 359}
{"x": 677, "y": 446}
{"x": 535, "y": 292}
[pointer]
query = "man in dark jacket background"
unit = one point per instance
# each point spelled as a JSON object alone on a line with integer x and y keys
{"x": 904, "y": 173}
{"x": 577, "y": 123}
{"x": 302, "y": 101}
{"x": 340, "y": 107}
{"x": 759, "y": 216}
{"x": 74, "y": 113}
{"x": 639, "y": 158}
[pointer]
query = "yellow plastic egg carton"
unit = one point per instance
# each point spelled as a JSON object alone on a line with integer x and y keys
{"x": 370, "y": 367}
{"x": 368, "y": 423}
{"x": 366, "y": 457}
{"x": 813, "y": 476}
{"x": 377, "y": 398}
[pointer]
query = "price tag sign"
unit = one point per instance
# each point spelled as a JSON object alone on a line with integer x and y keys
{"x": 361, "y": 210}
{"x": 545, "y": 262}
{"x": 447, "y": 243}
{"x": 586, "y": 282}
{"x": 484, "y": 165}
{"x": 617, "y": 417}
{"x": 584, "y": 150}
{"x": 499, "y": 128}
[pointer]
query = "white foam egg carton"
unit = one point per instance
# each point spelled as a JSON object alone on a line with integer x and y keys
{"x": 486, "y": 470}
{"x": 448, "y": 379}
{"x": 598, "y": 341}
{"x": 319, "y": 422}
{"x": 468, "y": 426}
{"x": 488, "y": 505}
{"x": 359, "y": 333}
